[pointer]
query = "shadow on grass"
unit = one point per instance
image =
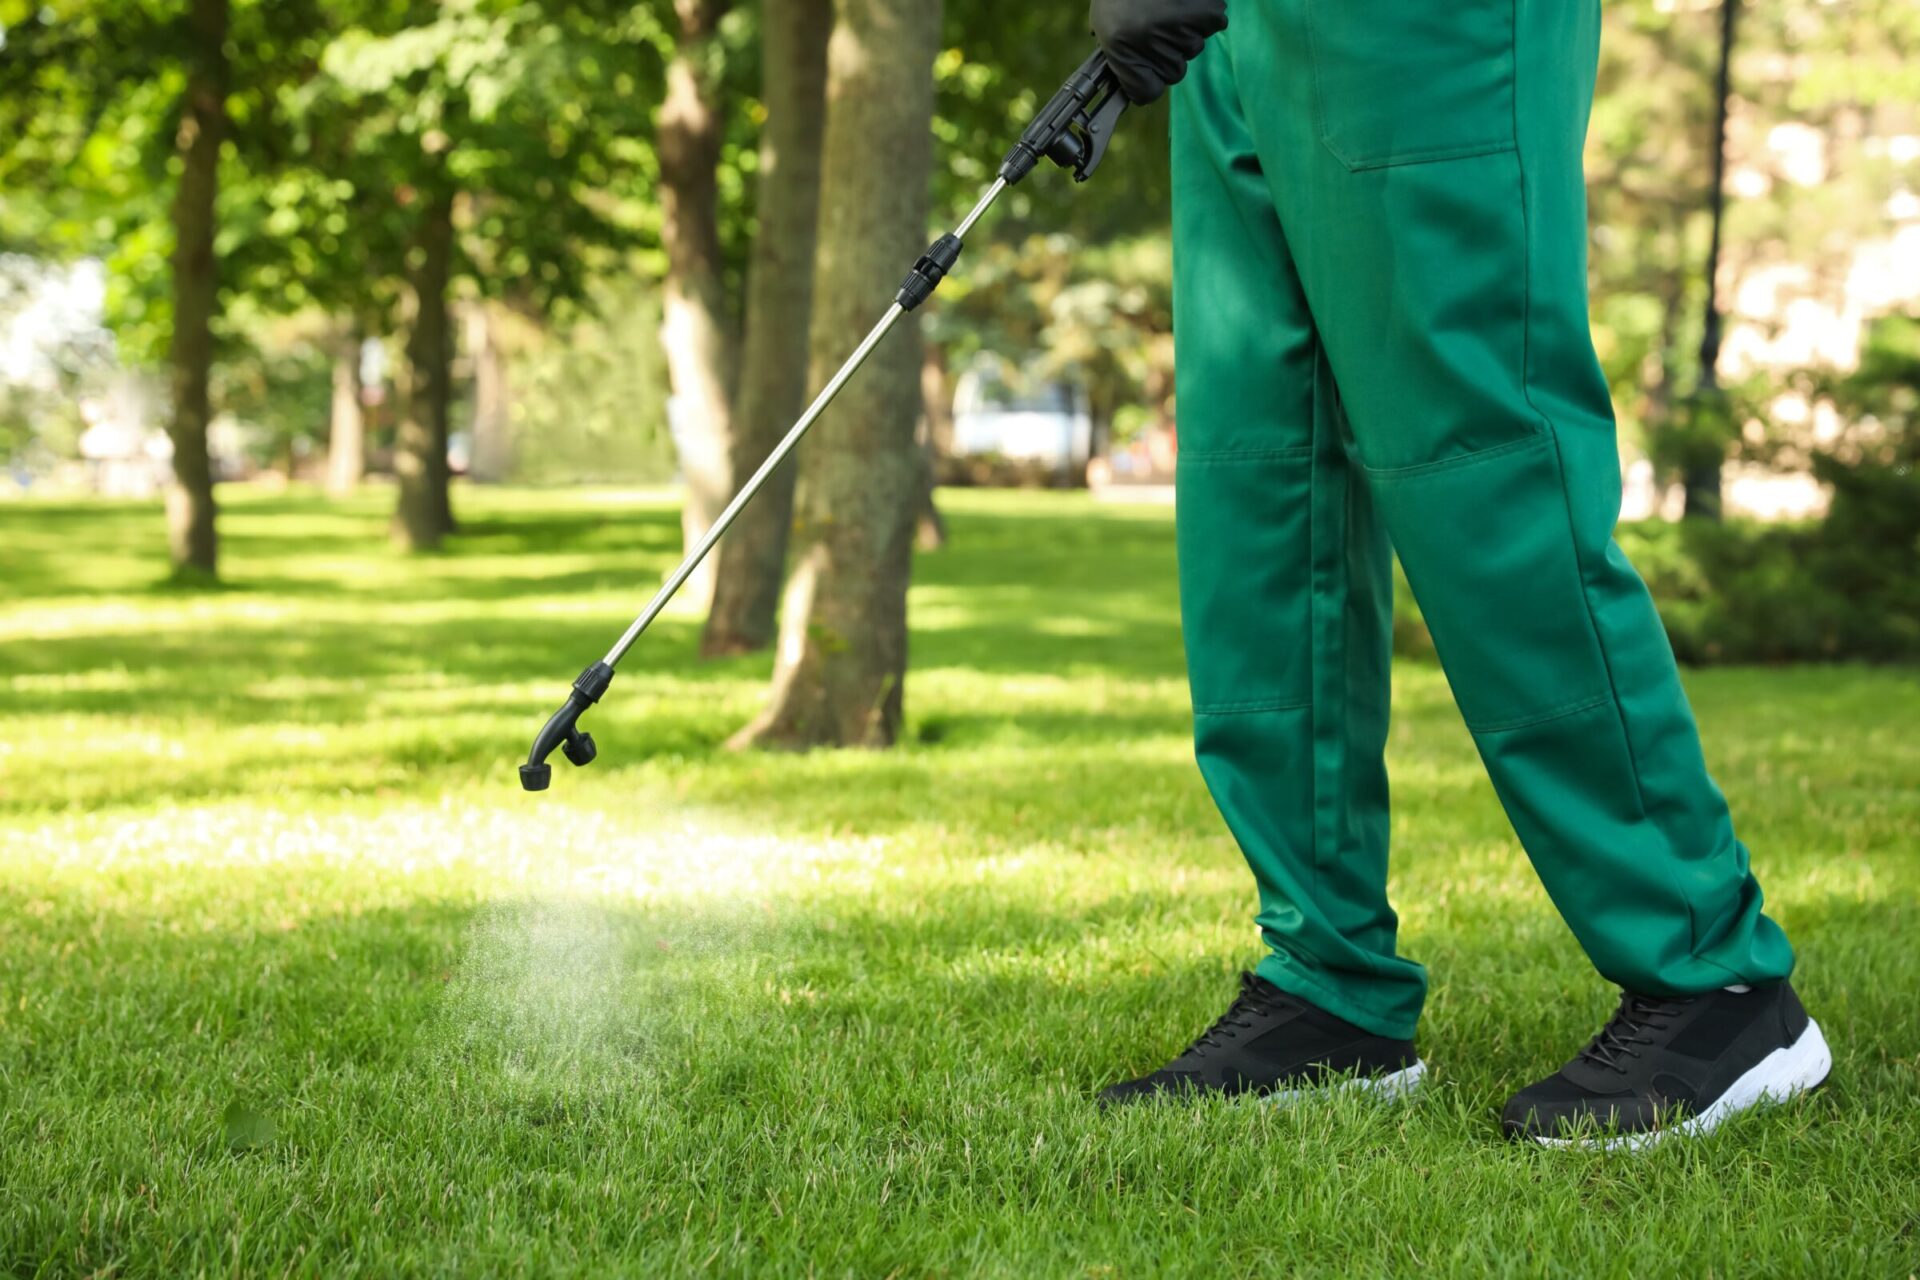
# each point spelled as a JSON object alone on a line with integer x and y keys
{"x": 1020, "y": 593}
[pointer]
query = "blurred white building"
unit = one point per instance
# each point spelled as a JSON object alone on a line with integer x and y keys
{"x": 124, "y": 451}
{"x": 1043, "y": 422}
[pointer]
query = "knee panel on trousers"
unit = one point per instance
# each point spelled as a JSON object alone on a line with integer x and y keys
{"x": 1490, "y": 555}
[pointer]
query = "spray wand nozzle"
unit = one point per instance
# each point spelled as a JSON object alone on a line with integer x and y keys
{"x": 562, "y": 730}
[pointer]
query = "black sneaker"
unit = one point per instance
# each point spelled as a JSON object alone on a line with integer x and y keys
{"x": 1675, "y": 1066}
{"x": 1272, "y": 1044}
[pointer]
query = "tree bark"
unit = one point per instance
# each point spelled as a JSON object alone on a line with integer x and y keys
{"x": 842, "y": 661}
{"x": 492, "y": 431}
{"x": 750, "y": 562}
{"x": 191, "y": 535}
{"x": 347, "y": 426}
{"x": 694, "y": 330}
{"x": 424, "y": 516}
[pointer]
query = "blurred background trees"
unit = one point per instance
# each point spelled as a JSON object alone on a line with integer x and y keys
{"x": 571, "y": 241}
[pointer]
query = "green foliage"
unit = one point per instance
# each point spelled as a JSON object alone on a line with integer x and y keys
{"x": 1741, "y": 592}
{"x": 527, "y": 110}
{"x": 345, "y": 114}
{"x": 1698, "y": 432}
{"x": 281, "y": 388}
{"x": 1843, "y": 587}
{"x": 1838, "y": 588}
{"x": 90, "y": 102}
{"x": 1848, "y": 580}
{"x": 590, "y": 398}
{"x": 1051, "y": 306}
{"x": 35, "y": 422}
{"x": 1829, "y": 70}
{"x": 1004, "y": 59}
{"x": 40, "y": 415}
{"x": 1879, "y": 403}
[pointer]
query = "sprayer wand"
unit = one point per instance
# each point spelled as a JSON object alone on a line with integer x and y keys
{"x": 1073, "y": 131}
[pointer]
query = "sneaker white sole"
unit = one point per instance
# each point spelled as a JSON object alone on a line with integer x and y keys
{"x": 1781, "y": 1076}
{"x": 1391, "y": 1087}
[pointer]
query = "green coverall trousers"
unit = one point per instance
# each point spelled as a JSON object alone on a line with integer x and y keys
{"x": 1383, "y": 346}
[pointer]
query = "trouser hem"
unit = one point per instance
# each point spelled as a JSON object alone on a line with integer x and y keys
{"x": 1286, "y": 972}
{"x": 1651, "y": 985}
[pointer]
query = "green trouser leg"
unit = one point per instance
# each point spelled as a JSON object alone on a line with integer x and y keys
{"x": 1381, "y": 313}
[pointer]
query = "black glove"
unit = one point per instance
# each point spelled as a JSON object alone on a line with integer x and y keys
{"x": 1150, "y": 42}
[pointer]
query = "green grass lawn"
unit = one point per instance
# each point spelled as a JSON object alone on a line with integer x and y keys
{"x": 294, "y": 978}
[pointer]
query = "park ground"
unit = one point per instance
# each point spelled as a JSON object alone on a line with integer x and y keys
{"x": 295, "y": 979}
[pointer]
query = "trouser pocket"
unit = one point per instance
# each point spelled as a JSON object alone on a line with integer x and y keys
{"x": 1402, "y": 81}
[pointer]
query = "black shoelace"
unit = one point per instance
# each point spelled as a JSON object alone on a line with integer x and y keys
{"x": 1629, "y": 1027}
{"x": 1251, "y": 1000}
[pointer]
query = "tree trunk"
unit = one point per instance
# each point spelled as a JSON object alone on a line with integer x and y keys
{"x": 930, "y": 527}
{"x": 492, "y": 430}
{"x": 936, "y": 394}
{"x": 694, "y": 329}
{"x": 191, "y": 537}
{"x": 347, "y": 427}
{"x": 936, "y": 442}
{"x": 424, "y": 516}
{"x": 751, "y": 560}
{"x": 1703, "y": 479}
{"x": 843, "y": 642}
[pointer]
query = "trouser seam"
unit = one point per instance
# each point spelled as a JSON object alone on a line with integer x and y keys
{"x": 1315, "y": 676}
{"x": 1228, "y": 457}
{"x": 1253, "y": 708}
{"x": 1545, "y": 717}
{"x": 1387, "y": 475}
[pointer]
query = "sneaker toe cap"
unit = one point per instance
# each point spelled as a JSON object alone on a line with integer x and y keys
{"x": 1558, "y": 1108}
{"x": 1148, "y": 1088}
